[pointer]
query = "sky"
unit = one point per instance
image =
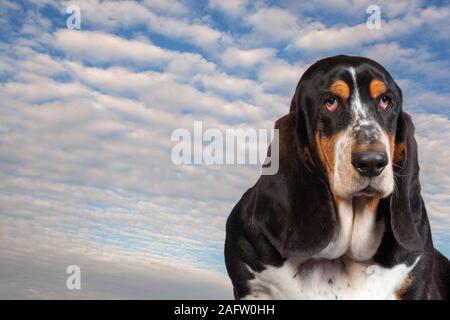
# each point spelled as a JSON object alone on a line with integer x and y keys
{"x": 86, "y": 118}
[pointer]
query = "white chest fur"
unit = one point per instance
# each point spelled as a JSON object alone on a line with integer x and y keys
{"x": 343, "y": 270}
{"x": 328, "y": 279}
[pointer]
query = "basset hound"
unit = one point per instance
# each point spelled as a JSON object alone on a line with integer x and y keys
{"x": 343, "y": 218}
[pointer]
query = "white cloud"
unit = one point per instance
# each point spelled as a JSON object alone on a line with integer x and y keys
{"x": 234, "y": 57}
{"x": 173, "y": 7}
{"x": 101, "y": 47}
{"x": 178, "y": 66}
{"x": 321, "y": 37}
{"x": 225, "y": 84}
{"x": 273, "y": 23}
{"x": 432, "y": 132}
{"x": 410, "y": 60}
{"x": 230, "y": 7}
{"x": 39, "y": 89}
{"x": 116, "y": 14}
{"x": 106, "y": 273}
{"x": 9, "y": 5}
{"x": 156, "y": 89}
{"x": 419, "y": 99}
{"x": 354, "y": 9}
{"x": 123, "y": 14}
{"x": 281, "y": 76}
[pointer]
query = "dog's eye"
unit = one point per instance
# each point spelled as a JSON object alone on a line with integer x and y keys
{"x": 331, "y": 104}
{"x": 384, "y": 102}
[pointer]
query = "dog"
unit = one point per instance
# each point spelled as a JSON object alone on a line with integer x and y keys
{"x": 343, "y": 218}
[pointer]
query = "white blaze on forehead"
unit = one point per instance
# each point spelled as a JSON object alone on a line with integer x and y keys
{"x": 360, "y": 114}
{"x": 357, "y": 110}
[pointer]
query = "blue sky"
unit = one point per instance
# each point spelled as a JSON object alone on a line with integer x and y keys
{"x": 87, "y": 115}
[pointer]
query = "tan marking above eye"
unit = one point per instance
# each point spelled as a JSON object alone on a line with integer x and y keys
{"x": 341, "y": 89}
{"x": 376, "y": 88}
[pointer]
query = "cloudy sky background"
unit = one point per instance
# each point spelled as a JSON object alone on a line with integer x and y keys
{"x": 86, "y": 117}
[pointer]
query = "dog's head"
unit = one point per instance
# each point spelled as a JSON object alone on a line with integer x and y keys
{"x": 350, "y": 107}
{"x": 346, "y": 136}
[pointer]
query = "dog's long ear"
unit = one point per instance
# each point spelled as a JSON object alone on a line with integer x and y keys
{"x": 406, "y": 204}
{"x": 293, "y": 208}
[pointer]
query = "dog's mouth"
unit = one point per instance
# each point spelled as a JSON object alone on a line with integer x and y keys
{"x": 368, "y": 191}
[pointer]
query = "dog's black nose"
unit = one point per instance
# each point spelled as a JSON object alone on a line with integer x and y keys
{"x": 369, "y": 163}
